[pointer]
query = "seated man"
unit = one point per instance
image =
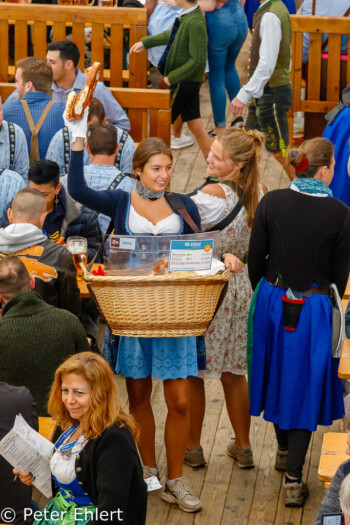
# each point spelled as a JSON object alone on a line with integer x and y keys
{"x": 330, "y": 503}
{"x": 10, "y": 183}
{"x": 34, "y": 337}
{"x": 13, "y": 147}
{"x": 61, "y": 144}
{"x": 35, "y": 112}
{"x": 14, "y": 494}
{"x": 63, "y": 56}
{"x": 64, "y": 218}
{"x": 49, "y": 263}
{"x": 101, "y": 174}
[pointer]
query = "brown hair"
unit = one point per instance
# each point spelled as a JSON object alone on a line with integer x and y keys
{"x": 97, "y": 109}
{"x": 14, "y": 277}
{"x": 244, "y": 146}
{"x": 146, "y": 149}
{"x": 105, "y": 407}
{"x": 28, "y": 203}
{"x": 102, "y": 139}
{"x": 317, "y": 153}
{"x": 37, "y": 71}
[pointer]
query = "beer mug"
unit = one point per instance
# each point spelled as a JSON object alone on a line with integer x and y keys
{"x": 78, "y": 248}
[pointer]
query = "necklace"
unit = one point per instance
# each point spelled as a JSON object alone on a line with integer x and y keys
{"x": 145, "y": 193}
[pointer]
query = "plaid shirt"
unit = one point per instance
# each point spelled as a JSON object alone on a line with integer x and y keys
{"x": 37, "y": 101}
{"x": 10, "y": 183}
{"x": 21, "y": 158}
{"x": 55, "y": 152}
{"x": 99, "y": 177}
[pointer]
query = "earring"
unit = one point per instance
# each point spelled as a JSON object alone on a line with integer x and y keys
{"x": 56, "y": 200}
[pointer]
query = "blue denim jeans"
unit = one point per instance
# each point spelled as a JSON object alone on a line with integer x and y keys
{"x": 227, "y": 30}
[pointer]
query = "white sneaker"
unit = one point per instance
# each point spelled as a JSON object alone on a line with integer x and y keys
{"x": 181, "y": 142}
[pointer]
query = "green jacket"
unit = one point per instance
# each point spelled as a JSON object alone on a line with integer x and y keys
{"x": 188, "y": 53}
{"x": 35, "y": 338}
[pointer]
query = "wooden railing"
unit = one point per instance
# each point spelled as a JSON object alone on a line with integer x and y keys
{"x": 39, "y": 17}
{"x": 148, "y": 110}
{"x": 323, "y": 89}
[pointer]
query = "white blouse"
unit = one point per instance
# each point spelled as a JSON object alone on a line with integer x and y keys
{"x": 139, "y": 224}
{"x": 63, "y": 465}
{"x": 210, "y": 207}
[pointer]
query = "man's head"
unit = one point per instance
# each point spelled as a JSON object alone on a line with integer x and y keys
{"x": 44, "y": 176}
{"x": 28, "y": 207}
{"x": 344, "y": 498}
{"x": 97, "y": 114}
{"x": 102, "y": 140}
{"x": 33, "y": 74}
{"x": 14, "y": 278}
{"x": 63, "y": 56}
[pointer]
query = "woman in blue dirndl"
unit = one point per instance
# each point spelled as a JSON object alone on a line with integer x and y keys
{"x": 146, "y": 211}
{"x": 300, "y": 245}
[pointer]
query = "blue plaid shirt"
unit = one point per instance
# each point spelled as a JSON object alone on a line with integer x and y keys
{"x": 10, "y": 184}
{"x": 55, "y": 152}
{"x": 37, "y": 102}
{"x": 21, "y": 158}
{"x": 99, "y": 177}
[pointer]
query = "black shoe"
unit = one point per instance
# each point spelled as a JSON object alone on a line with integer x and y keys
{"x": 237, "y": 123}
{"x": 212, "y": 133}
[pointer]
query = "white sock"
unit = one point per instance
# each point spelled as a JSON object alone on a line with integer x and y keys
{"x": 171, "y": 481}
{"x": 153, "y": 470}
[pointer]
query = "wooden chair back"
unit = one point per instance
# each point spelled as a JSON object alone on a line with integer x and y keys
{"x": 323, "y": 77}
{"x": 39, "y": 18}
{"x": 148, "y": 110}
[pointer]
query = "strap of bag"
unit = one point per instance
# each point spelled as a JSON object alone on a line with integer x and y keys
{"x": 177, "y": 205}
{"x": 233, "y": 214}
{"x": 118, "y": 156}
{"x": 12, "y": 141}
{"x": 34, "y": 129}
{"x": 66, "y": 148}
{"x": 313, "y": 7}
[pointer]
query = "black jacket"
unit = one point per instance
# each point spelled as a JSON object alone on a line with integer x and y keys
{"x": 78, "y": 221}
{"x": 110, "y": 471}
{"x": 14, "y": 494}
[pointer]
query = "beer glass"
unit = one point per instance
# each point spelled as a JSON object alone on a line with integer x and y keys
{"x": 78, "y": 248}
{"x": 105, "y": 3}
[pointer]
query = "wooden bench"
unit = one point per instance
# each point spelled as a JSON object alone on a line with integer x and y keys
{"x": 148, "y": 110}
{"x": 47, "y": 427}
{"x": 332, "y": 455}
{"x": 314, "y": 101}
{"x": 40, "y": 17}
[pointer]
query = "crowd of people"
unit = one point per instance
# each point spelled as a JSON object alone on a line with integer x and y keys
{"x": 272, "y": 343}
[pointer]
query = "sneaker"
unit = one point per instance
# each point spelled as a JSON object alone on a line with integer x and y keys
{"x": 281, "y": 459}
{"x": 212, "y": 133}
{"x": 147, "y": 472}
{"x": 181, "y": 142}
{"x": 195, "y": 457}
{"x": 243, "y": 456}
{"x": 295, "y": 494}
{"x": 182, "y": 495}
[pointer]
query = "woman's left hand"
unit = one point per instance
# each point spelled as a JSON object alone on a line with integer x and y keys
{"x": 232, "y": 262}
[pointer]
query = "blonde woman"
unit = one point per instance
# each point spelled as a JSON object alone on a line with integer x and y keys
{"x": 233, "y": 159}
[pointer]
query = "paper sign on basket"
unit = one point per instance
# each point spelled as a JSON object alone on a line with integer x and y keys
{"x": 190, "y": 255}
{"x": 153, "y": 483}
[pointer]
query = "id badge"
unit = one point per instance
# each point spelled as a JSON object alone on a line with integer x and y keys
{"x": 332, "y": 519}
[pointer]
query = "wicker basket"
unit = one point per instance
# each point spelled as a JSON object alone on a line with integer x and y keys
{"x": 157, "y": 306}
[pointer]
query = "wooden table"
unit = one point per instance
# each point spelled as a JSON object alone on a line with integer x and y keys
{"x": 332, "y": 454}
{"x": 84, "y": 292}
{"x": 47, "y": 427}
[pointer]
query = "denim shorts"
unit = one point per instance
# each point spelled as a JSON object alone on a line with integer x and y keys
{"x": 269, "y": 115}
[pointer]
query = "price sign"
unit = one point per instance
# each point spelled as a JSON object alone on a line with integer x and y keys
{"x": 190, "y": 255}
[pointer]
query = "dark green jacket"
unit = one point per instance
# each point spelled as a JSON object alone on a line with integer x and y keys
{"x": 188, "y": 54}
{"x": 35, "y": 338}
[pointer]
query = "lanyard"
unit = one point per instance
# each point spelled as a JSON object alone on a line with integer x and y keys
{"x": 65, "y": 436}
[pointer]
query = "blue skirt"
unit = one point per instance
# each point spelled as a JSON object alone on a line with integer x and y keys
{"x": 161, "y": 357}
{"x": 294, "y": 378}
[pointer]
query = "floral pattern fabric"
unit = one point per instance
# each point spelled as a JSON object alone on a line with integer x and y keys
{"x": 226, "y": 338}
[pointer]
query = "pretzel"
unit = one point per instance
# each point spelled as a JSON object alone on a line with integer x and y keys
{"x": 76, "y": 104}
